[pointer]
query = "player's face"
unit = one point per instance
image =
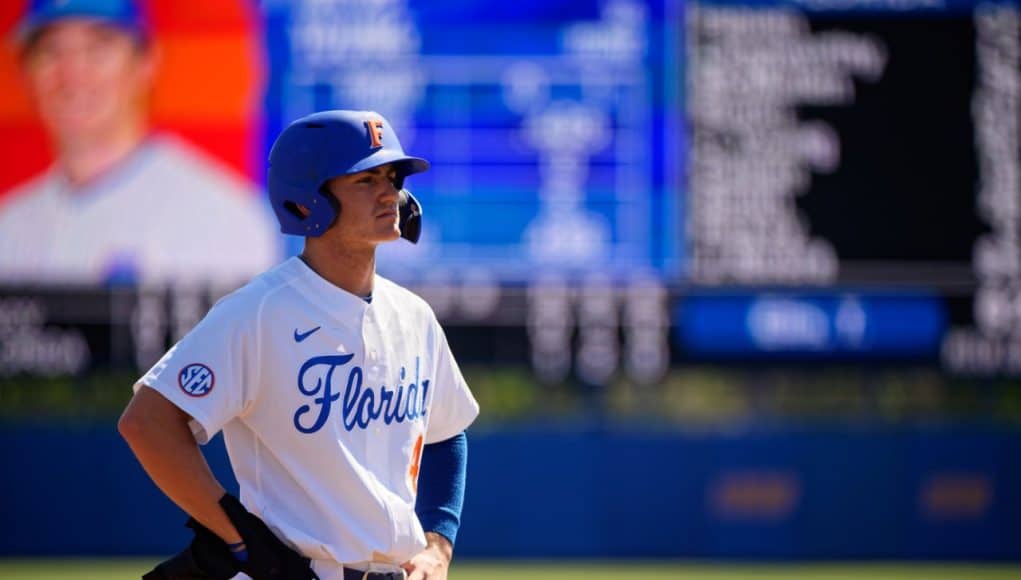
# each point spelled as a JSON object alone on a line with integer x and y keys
{"x": 86, "y": 77}
{"x": 369, "y": 212}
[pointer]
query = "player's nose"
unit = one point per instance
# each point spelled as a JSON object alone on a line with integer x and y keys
{"x": 389, "y": 192}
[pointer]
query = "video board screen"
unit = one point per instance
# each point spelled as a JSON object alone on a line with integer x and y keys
{"x": 552, "y": 126}
{"x": 849, "y": 145}
{"x": 852, "y": 155}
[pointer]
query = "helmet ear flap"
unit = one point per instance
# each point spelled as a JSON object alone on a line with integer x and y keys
{"x": 324, "y": 191}
{"x": 302, "y": 213}
{"x": 411, "y": 216}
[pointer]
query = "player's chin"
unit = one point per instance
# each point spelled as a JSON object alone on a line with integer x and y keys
{"x": 389, "y": 233}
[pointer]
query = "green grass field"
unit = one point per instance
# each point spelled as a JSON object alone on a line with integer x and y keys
{"x": 133, "y": 569}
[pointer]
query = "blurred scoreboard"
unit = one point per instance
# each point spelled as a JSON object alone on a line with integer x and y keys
{"x": 840, "y": 146}
{"x": 552, "y": 125}
{"x": 854, "y": 187}
{"x": 834, "y": 179}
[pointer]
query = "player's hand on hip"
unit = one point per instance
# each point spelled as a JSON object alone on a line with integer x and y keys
{"x": 426, "y": 566}
{"x": 433, "y": 562}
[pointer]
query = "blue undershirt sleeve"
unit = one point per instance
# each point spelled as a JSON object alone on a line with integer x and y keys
{"x": 441, "y": 486}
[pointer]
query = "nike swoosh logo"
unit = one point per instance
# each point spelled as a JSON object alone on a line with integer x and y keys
{"x": 300, "y": 336}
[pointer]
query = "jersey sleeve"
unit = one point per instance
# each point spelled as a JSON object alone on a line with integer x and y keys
{"x": 453, "y": 406}
{"x": 209, "y": 373}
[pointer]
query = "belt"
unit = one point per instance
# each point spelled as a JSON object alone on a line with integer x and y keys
{"x": 351, "y": 574}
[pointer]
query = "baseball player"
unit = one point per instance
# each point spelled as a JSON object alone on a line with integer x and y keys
{"x": 342, "y": 407}
{"x": 89, "y": 67}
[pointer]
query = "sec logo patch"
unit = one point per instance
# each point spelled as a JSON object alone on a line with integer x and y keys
{"x": 196, "y": 380}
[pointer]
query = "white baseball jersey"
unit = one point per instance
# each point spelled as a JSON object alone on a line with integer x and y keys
{"x": 165, "y": 213}
{"x": 325, "y": 402}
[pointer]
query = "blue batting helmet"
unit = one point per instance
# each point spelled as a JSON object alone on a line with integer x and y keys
{"x": 316, "y": 148}
{"x": 123, "y": 13}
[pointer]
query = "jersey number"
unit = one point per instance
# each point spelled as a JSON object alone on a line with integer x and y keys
{"x": 416, "y": 462}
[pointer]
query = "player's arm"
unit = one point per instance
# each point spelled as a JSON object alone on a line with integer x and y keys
{"x": 158, "y": 433}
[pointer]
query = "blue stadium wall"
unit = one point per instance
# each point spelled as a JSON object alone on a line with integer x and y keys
{"x": 807, "y": 493}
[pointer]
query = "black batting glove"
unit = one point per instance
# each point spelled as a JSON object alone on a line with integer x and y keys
{"x": 206, "y": 558}
{"x": 268, "y": 557}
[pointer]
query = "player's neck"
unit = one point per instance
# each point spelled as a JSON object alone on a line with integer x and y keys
{"x": 84, "y": 158}
{"x": 351, "y": 270}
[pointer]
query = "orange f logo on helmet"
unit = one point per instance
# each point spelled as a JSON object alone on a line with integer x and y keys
{"x": 375, "y": 127}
